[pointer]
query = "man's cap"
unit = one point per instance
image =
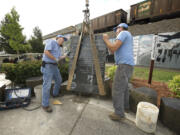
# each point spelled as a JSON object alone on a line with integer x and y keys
{"x": 61, "y": 36}
{"x": 124, "y": 25}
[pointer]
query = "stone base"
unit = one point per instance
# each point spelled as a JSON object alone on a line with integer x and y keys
{"x": 141, "y": 94}
{"x": 32, "y": 82}
{"x": 107, "y": 87}
{"x": 62, "y": 88}
{"x": 170, "y": 113}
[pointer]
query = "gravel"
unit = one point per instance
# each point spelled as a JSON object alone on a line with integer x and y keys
{"x": 168, "y": 25}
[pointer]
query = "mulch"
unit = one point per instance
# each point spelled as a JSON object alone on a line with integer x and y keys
{"x": 160, "y": 87}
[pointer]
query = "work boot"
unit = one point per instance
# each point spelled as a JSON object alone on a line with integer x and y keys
{"x": 47, "y": 109}
{"x": 115, "y": 117}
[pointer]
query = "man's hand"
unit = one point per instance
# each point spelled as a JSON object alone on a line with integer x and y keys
{"x": 57, "y": 60}
{"x": 111, "y": 46}
{"x": 68, "y": 53}
{"x": 105, "y": 37}
{"x": 62, "y": 57}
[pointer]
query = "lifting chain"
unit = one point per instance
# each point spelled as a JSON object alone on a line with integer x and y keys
{"x": 86, "y": 13}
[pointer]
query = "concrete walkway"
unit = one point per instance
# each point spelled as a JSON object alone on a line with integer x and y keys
{"x": 76, "y": 116}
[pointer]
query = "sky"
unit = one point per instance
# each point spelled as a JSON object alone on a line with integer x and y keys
{"x": 53, "y": 15}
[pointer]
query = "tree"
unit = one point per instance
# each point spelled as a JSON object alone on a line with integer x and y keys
{"x": 12, "y": 40}
{"x": 36, "y": 41}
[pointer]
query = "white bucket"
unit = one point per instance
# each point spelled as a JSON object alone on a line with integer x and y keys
{"x": 146, "y": 117}
{"x": 38, "y": 93}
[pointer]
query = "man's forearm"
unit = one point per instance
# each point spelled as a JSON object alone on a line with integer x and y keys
{"x": 113, "y": 46}
{"x": 110, "y": 46}
{"x": 47, "y": 53}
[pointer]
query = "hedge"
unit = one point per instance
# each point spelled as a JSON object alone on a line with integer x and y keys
{"x": 174, "y": 85}
{"x": 111, "y": 72}
{"x": 18, "y": 73}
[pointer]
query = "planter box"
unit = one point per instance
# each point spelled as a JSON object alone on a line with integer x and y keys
{"x": 32, "y": 82}
{"x": 141, "y": 94}
{"x": 170, "y": 113}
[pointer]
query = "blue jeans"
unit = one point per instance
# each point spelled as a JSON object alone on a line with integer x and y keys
{"x": 50, "y": 72}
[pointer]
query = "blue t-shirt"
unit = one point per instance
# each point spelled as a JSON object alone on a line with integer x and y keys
{"x": 124, "y": 54}
{"x": 53, "y": 47}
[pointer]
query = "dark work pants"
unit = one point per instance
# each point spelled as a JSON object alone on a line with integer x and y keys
{"x": 120, "y": 91}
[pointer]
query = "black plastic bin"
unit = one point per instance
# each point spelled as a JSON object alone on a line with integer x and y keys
{"x": 17, "y": 97}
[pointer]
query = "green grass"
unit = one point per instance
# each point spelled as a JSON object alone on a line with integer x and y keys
{"x": 159, "y": 75}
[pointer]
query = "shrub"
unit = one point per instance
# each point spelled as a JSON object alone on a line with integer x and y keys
{"x": 64, "y": 70}
{"x": 111, "y": 72}
{"x": 174, "y": 85}
{"x": 18, "y": 73}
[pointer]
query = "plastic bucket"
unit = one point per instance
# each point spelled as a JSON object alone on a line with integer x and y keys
{"x": 146, "y": 117}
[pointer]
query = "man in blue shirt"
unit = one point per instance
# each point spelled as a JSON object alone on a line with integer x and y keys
{"x": 51, "y": 57}
{"x": 123, "y": 52}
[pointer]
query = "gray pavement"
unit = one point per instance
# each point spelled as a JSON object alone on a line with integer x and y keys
{"x": 76, "y": 116}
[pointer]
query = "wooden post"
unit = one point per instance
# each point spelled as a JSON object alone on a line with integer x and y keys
{"x": 152, "y": 59}
{"x": 151, "y": 71}
{"x": 71, "y": 74}
{"x": 97, "y": 65}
